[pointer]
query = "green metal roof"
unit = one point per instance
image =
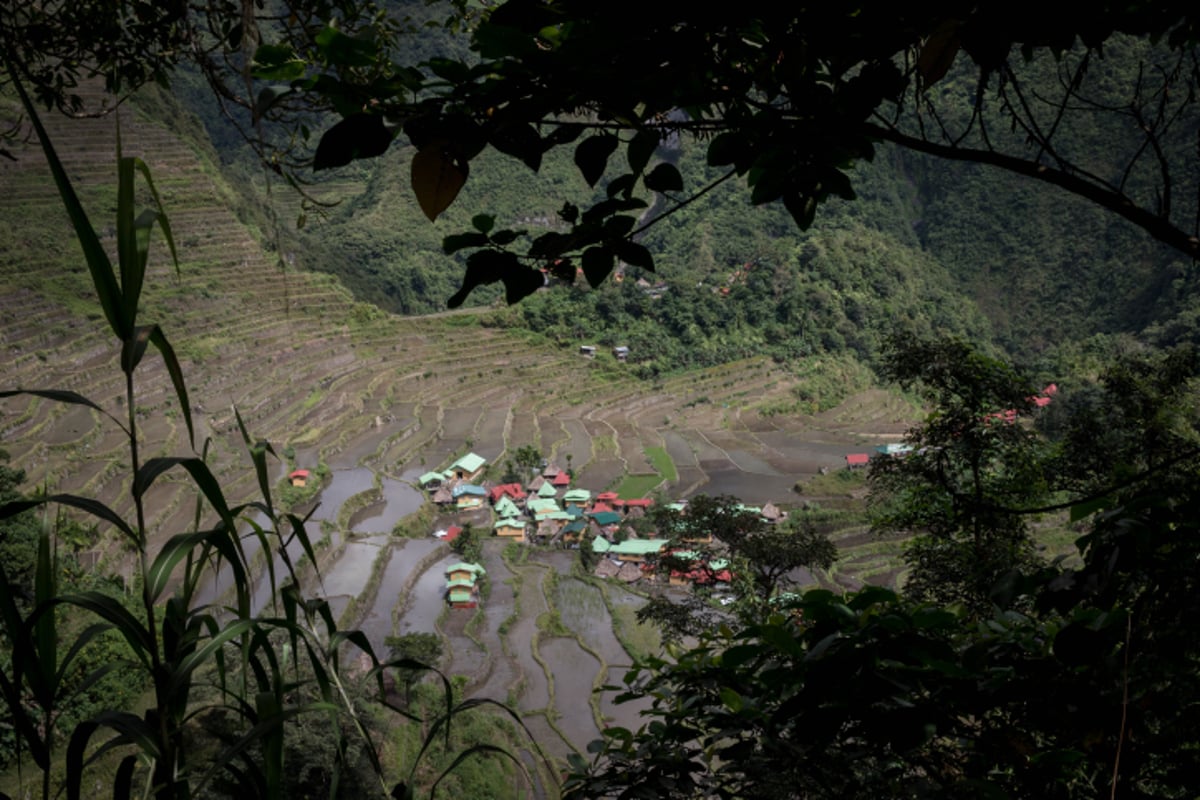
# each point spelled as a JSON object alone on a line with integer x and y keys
{"x": 577, "y": 496}
{"x": 629, "y": 547}
{"x": 429, "y": 477}
{"x": 510, "y": 523}
{"x": 505, "y": 507}
{"x": 463, "y": 565}
{"x": 547, "y": 490}
{"x": 469, "y": 463}
{"x": 460, "y": 583}
{"x": 607, "y": 518}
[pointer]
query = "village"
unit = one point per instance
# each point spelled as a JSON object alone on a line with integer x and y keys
{"x": 549, "y": 511}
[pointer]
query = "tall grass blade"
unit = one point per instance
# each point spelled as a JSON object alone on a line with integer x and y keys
{"x": 132, "y": 268}
{"x": 164, "y": 223}
{"x": 44, "y": 622}
{"x": 123, "y": 780}
{"x": 473, "y": 750}
{"x": 98, "y": 263}
{"x": 159, "y": 340}
{"x": 63, "y": 396}
{"x": 108, "y": 608}
{"x": 268, "y": 707}
{"x": 93, "y": 507}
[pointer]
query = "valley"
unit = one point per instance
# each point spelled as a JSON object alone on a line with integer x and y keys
{"x": 371, "y": 401}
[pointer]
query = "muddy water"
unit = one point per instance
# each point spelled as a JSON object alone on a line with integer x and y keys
{"x": 396, "y": 576}
{"x": 496, "y": 610}
{"x": 724, "y": 478}
{"x": 520, "y": 636}
{"x": 343, "y": 484}
{"x": 426, "y": 600}
{"x": 349, "y": 574}
{"x": 583, "y": 611}
{"x": 574, "y": 670}
{"x": 560, "y": 560}
{"x": 399, "y": 500}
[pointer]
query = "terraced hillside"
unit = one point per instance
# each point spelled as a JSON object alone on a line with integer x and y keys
{"x": 339, "y": 381}
{"x": 378, "y": 400}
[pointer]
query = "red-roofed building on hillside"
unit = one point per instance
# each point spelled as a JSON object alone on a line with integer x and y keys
{"x": 606, "y": 497}
{"x": 452, "y": 533}
{"x": 561, "y": 479}
{"x": 299, "y": 477}
{"x": 641, "y": 502}
{"x": 600, "y": 508}
{"x": 857, "y": 460}
{"x": 513, "y": 490}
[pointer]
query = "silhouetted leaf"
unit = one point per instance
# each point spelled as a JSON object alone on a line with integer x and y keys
{"x": 449, "y": 70}
{"x": 356, "y": 136}
{"x": 436, "y": 179}
{"x": 276, "y": 62}
{"x": 483, "y": 223}
{"x": 725, "y": 148}
{"x": 597, "y": 264}
{"x": 803, "y": 209}
{"x": 343, "y": 50}
{"x": 591, "y": 156}
{"x": 640, "y": 149}
{"x": 520, "y": 141}
{"x": 938, "y": 52}
{"x": 268, "y": 97}
{"x": 484, "y": 267}
{"x": 664, "y": 178}
{"x": 634, "y": 254}
{"x": 622, "y": 184}
{"x": 460, "y": 241}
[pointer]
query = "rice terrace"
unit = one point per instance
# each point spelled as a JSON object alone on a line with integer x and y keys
{"x": 367, "y": 403}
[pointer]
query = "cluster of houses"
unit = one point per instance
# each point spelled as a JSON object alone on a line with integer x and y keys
{"x": 1007, "y": 417}
{"x": 548, "y": 510}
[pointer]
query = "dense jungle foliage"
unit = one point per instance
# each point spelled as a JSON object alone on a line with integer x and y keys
{"x": 1001, "y": 674}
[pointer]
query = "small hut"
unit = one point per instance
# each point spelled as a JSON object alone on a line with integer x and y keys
{"x": 629, "y": 573}
{"x": 299, "y": 477}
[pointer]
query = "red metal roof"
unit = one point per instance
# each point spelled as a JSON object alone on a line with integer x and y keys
{"x": 858, "y": 459}
{"x": 513, "y": 490}
{"x": 299, "y": 473}
{"x": 452, "y": 533}
{"x": 561, "y": 479}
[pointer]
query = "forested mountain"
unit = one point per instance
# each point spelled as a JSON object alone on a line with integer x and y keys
{"x": 928, "y": 246}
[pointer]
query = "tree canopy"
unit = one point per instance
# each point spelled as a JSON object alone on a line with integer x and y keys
{"x": 784, "y": 98}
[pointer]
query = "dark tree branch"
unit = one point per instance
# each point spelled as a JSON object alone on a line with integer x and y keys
{"x": 1157, "y": 226}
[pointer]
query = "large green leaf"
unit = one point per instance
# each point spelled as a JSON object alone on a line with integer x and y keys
{"x": 437, "y": 178}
